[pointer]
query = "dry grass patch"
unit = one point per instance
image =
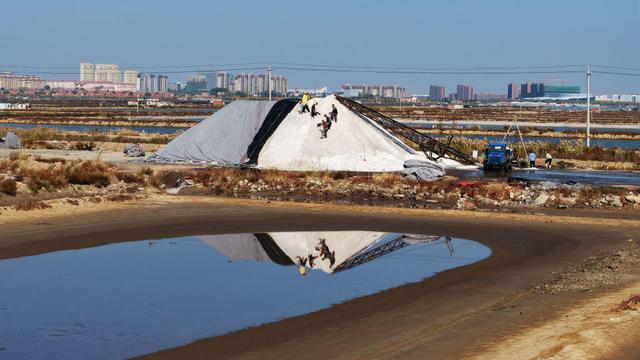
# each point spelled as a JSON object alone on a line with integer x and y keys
{"x": 91, "y": 172}
{"x": 631, "y": 304}
{"x": 8, "y": 186}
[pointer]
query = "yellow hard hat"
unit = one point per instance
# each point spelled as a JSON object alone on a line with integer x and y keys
{"x": 302, "y": 270}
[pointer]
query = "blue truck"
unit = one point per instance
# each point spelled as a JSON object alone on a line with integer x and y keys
{"x": 498, "y": 156}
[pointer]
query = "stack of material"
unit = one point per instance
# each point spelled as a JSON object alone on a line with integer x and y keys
{"x": 422, "y": 170}
{"x": 277, "y": 135}
{"x": 222, "y": 138}
{"x": 133, "y": 150}
{"x": 10, "y": 141}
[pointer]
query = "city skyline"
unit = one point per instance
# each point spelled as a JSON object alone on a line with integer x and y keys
{"x": 472, "y": 35}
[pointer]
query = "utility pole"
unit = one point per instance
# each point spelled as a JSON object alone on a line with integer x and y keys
{"x": 269, "y": 72}
{"x": 588, "y": 105}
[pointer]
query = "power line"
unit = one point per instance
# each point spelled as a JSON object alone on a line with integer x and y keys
{"x": 152, "y": 72}
{"x": 615, "y": 67}
{"x": 614, "y": 73}
{"x": 138, "y": 67}
{"x": 430, "y": 72}
{"x": 431, "y": 68}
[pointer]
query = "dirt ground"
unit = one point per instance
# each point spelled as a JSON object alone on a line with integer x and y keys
{"x": 485, "y": 310}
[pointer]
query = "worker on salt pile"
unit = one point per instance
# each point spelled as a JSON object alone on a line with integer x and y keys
{"x": 304, "y": 102}
{"x": 313, "y": 110}
{"x": 334, "y": 113}
{"x": 324, "y": 128}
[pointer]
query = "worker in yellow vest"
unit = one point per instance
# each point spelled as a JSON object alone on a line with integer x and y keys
{"x": 305, "y": 100}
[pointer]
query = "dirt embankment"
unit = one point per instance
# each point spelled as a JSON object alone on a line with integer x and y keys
{"x": 106, "y": 116}
{"x": 486, "y": 309}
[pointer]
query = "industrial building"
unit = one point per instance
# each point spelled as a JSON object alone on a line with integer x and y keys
{"x": 561, "y": 91}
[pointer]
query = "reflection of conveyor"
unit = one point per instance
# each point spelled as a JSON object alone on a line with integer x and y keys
{"x": 401, "y": 241}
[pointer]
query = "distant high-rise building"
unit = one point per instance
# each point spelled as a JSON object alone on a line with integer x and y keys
{"x": 537, "y": 90}
{"x": 86, "y": 72}
{"x": 531, "y": 90}
{"x": 163, "y": 84}
{"x": 107, "y": 72}
{"x": 210, "y": 78}
{"x": 130, "y": 77}
{"x": 222, "y": 80}
{"x": 279, "y": 85}
{"x": 437, "y": 92}
{"x": 525, "y": 90}
{"x": 9, "y": 80}
{"x": 152, "y": 83}
{"x": 513, "y": 91}
{"x": 196, "y": 83}
{"x": 464, "y": 92}
{"x": 390, "y": 91}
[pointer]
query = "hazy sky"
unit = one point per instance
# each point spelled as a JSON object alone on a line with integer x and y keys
{"x": 356, "y": 33}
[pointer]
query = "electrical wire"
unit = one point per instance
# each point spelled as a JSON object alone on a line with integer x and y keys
{"x": 614, "y": 73}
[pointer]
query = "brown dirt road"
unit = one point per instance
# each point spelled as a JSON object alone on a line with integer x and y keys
{"x": 481, "y": 310}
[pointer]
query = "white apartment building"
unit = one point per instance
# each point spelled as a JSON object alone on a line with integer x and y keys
{"x": 222, "y": 80}
{"x": 86, "y": 72}
{"x": 130, "y": 77}
{"x": 107, "y": 72}
{"x": 9, "y": 80}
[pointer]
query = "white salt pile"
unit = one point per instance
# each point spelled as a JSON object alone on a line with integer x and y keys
{"x": 353, "y": 143}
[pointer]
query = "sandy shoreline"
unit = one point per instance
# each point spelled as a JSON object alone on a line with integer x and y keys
{"x": 450, "y": 315}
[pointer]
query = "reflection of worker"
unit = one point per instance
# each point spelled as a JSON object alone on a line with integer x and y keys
{"x": 312, "y": 259}
{"x": 325, "y": 253}
{"x": 547, "y": 161}
{"x": 532, "y": 159}
{"x": 301, "y": 263}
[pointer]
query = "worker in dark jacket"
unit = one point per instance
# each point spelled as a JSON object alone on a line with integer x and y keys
{"x": 334, "y": 113}
{"x": 313, "y": 110}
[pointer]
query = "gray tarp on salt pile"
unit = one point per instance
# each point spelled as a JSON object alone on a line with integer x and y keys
{"x": 223, "y": 137}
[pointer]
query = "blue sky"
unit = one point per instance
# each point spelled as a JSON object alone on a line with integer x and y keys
{"x": 356, "y": 33}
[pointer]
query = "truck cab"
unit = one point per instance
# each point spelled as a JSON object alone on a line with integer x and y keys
{"x": 497, "y": 157}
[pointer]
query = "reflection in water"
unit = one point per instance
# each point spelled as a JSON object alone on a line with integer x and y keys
{"x": 330, "y": 252}
{"x": 133, "y": 298}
